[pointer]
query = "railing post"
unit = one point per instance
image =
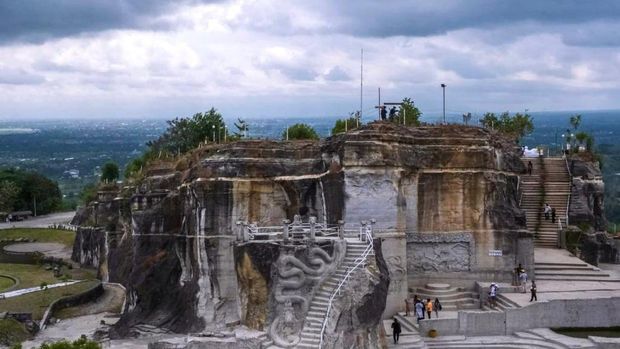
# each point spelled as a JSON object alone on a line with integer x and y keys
{"x": 285, "y": 235}
{"x": 312, "y": 229}
{"x": 362, "y": 235}
{"x": 239, "y": 231}
{"x": 341, "y": 229}
{"x": 372, "y": 227}
{"x": 246, "y": 232}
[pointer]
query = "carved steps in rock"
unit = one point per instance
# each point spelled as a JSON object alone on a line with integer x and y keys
{"x": 571, "y": 272}
{"x": 311, "y": 332}
{"x": 503, "y": 304}
{"x": 409, "y": 338}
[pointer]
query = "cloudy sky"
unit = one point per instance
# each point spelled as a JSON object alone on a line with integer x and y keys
{"x": 153, "y": 58}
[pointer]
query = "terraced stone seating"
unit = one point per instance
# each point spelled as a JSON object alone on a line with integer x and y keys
{"x": 451, "y": 298}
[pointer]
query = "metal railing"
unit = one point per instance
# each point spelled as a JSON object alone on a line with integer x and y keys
{"x": 570, "y": 187}
{"x": 365, "y": 232}
{"x": 295, "y": 230}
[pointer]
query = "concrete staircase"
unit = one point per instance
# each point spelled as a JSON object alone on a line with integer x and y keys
{"x": 409, "y": 337}
{"x": 311, "y": 332}
{"x": 577, "y": 271}
{"x": 451, "y": 298}
{"x": 503, "y": 304}
{"x": 556, "y": 182}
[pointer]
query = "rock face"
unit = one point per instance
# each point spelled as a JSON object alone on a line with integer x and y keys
{"x": 443, "y": 197}
{"x": 587, "y": 207}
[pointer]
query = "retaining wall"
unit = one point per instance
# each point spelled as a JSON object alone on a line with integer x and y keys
{"x": 599, "y": 312}
{"x": 70, "y": 301}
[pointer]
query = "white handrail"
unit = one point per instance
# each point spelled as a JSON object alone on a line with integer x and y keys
{"x": 570, "y": 187}
{"x": 358, "y": 261}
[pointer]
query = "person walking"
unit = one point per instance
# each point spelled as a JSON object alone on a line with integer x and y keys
{"x": 419, "y": 311}
{"x": 523, "y": 280}
{"x": 530, "y": 167}
{"x": 547, "y": 211}
{"x": 553, "y": 215}
{"x": 533, "y": 291}
{"x": 396, "y": 329}
{"x": 407, "y": 309}
{"x": 493, "y": 295}
{"x": 429, "y": 307}
{"x": 437, "y": 307}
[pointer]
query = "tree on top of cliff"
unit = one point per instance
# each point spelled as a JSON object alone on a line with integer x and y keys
{"x": 517, "y": 126}
{"x": 411, "y": 113}
{"x": 184, "y": 134}
{"x": 299, "y": 131}
{"x": 109, "y": 172}
{"x": 343, "y": 125}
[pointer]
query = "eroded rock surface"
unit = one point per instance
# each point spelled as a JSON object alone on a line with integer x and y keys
{"x": 448, "y": 192}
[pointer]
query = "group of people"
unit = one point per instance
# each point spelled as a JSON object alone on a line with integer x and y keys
{"x": 420, "y": 306}
{"x": 384, "y": 112}
{"x": 549, "y": 212}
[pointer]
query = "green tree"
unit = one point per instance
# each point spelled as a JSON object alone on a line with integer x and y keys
{"x": 134, "y": 166}
{"x": 109, "y": 172}
{"x": 517, "y": 126}
{"x": 410, "y": 112}
{"x": 343, "y": 125}
{"x": 185, "y": 134}
{"x": 88, "y": 193}
{"x": 9, "y": 192}
{"x": 34, "y": 189}
{"x": 575, "y": 121}
{"x": 300, "y": 131}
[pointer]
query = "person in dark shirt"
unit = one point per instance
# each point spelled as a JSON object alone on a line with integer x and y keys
{"x": 533, "y": 291}
{"x": 383, "y": 113}
{"x": 396, "y": 330}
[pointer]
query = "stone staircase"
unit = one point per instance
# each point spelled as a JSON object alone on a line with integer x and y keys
{"x": 574, "y": 271}
{"x": 451, "y": 298}
{"x": 556, "y": 182}
{"x": 311, "y": 332}
{"x": 409, "y": 337}
{"x": 503, "y": 304}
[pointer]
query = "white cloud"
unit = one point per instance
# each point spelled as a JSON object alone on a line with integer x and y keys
{"x": 248, "y": 57}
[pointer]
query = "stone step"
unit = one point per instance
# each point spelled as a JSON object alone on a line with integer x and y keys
{"x": 571, "y": 273}
{"x": 576, "y": 278}
{"x": 438, "y": 286}
{"x": 543, "y": 264}
{"x": 446, "y": 297}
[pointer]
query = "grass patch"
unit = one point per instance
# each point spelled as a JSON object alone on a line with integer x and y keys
{"x": 37, "y": 302}
{"x": 12, "y": 332}
{"x": 31, "y": 275}
{"x": 5, "y": 283}
{"x": 64, "y": 237}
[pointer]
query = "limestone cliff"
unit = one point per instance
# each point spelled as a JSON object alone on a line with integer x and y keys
{"x": 443, "y": 197}
{"x": 587, "y": 206}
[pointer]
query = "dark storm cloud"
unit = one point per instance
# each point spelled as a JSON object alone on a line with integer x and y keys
{"x": 40, "y": 20}
{"x": 424, "y": 18}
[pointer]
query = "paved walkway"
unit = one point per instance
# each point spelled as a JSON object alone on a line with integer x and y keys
{"x": 41, "y": 221}
{"x": 563, "y": 289}
{"x": 23, "y": 291}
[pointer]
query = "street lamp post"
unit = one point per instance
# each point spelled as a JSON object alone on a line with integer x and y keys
{"x": 214, "y": 139}
{"x": 443, "y": 87}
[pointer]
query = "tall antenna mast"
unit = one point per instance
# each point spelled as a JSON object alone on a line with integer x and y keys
{"x": 361, "y": 84}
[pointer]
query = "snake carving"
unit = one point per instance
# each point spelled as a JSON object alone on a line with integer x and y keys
{"x": 293, "y": 276}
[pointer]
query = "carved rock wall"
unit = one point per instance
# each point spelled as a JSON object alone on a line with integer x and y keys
{"x": 174, "y": 247}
